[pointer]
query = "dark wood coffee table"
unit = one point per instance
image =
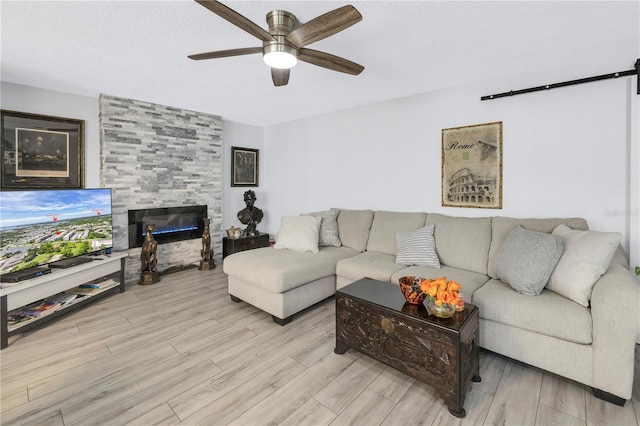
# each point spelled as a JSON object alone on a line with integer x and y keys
{"x": 373, "y": 317}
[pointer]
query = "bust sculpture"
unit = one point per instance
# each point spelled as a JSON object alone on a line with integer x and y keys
{"x": 250, "y": 215}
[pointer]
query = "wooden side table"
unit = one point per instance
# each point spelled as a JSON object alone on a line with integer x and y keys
{"x": 234, "y": 245}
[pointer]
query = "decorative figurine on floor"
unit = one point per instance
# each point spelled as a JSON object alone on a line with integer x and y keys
{"x": 207, "y": 261}
{"x": 250, "y": 215}
{"x": 148, "y": 259}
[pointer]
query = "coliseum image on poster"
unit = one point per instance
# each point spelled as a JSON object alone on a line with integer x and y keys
{"x": 472, "y": 166}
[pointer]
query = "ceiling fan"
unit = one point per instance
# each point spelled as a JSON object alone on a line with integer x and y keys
{"x": 283, "y": 45}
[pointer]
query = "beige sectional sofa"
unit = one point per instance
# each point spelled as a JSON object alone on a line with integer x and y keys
{"x": 591, "y": 344}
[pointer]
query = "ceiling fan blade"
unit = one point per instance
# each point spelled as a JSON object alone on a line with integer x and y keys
{"x": 280, "y": 77}
{"x": 226, "y": 53}
{"x": 236, "y": 19}
{"x": 327, "y": 60}
{"x": 324, "y": 26}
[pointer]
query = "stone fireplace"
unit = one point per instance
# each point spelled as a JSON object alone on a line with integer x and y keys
{"x": 154, "y": 157}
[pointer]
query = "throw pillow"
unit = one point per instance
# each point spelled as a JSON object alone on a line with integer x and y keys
{"x": 328, "y": 228}
{"x": 587, "y": 255}
{"x": 417, "y": 248}
{"x": 527, "y": 259}
{"x": 298, "y": 233}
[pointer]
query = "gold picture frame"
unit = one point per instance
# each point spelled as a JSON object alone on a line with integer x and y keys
{"x": 245, "y": 164}
{"x": 472, "y": 166}
{"x": 41, "y": 151}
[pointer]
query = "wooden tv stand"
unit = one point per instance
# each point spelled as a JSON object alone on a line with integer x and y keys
{"x": 23, "y": 293}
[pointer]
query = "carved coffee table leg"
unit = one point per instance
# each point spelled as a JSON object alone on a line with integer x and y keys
{"x": 476, "y": 374}
{"x": 460, "y": 414}
{"x": 454, "y": 405}
{"x": 340, "y": 347}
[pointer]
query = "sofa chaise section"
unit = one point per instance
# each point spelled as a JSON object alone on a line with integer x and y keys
{"x": 283, "y": 282}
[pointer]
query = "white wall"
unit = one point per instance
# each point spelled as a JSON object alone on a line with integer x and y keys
{"x": 16, "y": 97}
{"x": 565, "y": 154}
{"x": 244, "y": 136}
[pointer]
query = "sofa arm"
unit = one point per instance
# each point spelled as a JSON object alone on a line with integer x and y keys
{"x": 615, "y": 306}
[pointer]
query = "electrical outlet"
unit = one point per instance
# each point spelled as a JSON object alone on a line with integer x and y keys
{"x": 637, "y": 270}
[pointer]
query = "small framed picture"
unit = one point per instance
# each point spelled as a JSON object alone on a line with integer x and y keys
{"x": 41, "y": 151}
{"x": 244, "y": 166}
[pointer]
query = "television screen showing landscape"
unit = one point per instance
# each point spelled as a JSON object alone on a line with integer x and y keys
{"x": 41, "y": 227}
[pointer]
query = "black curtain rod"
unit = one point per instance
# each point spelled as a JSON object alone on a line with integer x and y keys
{"x": 635, "y": 71}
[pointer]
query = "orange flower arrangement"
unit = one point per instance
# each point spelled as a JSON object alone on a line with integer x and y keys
{"x": 441, "y": 291}
{"x": 438, "y": 290}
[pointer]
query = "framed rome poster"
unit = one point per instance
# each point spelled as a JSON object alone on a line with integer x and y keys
{"x": 472, "y": 166}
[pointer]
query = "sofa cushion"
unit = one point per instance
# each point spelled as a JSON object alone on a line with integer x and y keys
{"x": 298, "y": 233}
{"x": 282, "y": 270}
{"x": 328, "y": 234}
{"x": 354, "y": 226}
{"x": 549, "y": 313}
{"x": 370, "y": 264}
{"x": 417, "y": 248}
{"x": 527, "y": 258}
{"x": 462, "y": 242}
{"x": 501, "y": 226}
{"x": 386, "y": 225}
{"x": 470, "y": 281}
{"x": 586, "y": 257}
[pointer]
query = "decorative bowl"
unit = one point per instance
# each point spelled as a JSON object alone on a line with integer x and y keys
{"x": 235, "y": 232}
{"x": 410, "y": 287}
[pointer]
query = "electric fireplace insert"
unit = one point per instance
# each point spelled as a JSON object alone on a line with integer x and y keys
{"x": 171, "y": 223}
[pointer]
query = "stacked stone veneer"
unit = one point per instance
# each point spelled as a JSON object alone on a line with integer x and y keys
{"x": 158, "y": 156}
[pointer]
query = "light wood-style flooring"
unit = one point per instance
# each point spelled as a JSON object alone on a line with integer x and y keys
{"x": 180, "y": 352}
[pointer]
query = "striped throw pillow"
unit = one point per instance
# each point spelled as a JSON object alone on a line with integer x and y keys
{"x": 417, "y": 248}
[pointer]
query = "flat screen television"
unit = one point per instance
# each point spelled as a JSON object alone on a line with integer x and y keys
{"x": 42, "y": 227}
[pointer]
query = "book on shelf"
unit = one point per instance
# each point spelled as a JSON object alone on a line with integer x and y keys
{"x": 79, "y": 291}
{"x": 98, "y": 284}
{"x": 92, "y": 288}
{"x": 65, "y": 299}
{"x": 92, "y": 285}
{"x": 16, "y": 318}
{"x": 41, "y": 309}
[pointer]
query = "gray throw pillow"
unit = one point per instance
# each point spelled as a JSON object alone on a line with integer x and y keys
{"x": 328, "y": 234}
{"x": 527, "y": 259}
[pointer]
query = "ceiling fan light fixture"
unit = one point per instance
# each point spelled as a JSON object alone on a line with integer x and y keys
{"x": 280, "y": 56}
{"x": 280, "y": 60}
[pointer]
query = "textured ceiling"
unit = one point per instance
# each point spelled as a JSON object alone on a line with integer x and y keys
{"x": 138, "y": 49}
